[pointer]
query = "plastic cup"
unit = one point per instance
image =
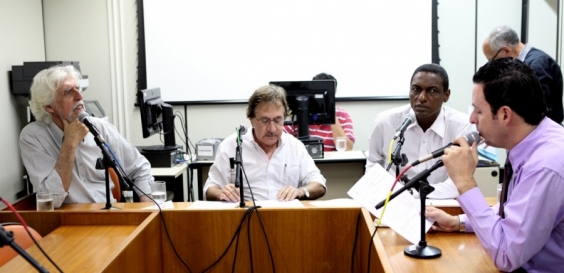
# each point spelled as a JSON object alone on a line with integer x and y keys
{"x": 44, "y": 201}
{"x": 158, "y": 191}
{"x": 128, "y": 196}
{"x": 341, "y": 144}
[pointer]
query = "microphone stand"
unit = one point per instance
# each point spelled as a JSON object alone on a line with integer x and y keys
{"x": 397, "y": 157}
{"x": 238, "y": 175}
{"x": 108, "y": 161}
{"x": 7, "y": 238}
{"x": 421, "y": 250}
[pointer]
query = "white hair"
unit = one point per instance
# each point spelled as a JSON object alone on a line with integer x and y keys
{"x": 44, "y": 89}
{"x": 502, "y": 36}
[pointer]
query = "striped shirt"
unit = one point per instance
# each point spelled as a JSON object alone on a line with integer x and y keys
{"x": 324, "y": 131}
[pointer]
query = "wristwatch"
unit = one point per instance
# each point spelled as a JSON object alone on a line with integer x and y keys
{"x": 461, "y": 224}
{"x": 306, "y": 192}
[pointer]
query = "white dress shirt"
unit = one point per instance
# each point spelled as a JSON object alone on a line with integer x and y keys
{"x": 290, "y": 164}
{"x": 449, "y": 125}
{"x": 40, "y": 144}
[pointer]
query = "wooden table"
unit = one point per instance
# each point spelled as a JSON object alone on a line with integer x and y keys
{"x": 81, "y": 238}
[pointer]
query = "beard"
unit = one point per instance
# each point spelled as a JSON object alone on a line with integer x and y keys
{"x": 69, "y": 117}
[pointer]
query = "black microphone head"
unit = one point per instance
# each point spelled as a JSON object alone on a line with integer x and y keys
{"x": 473, "y": 137}
{"x": 242, "y": 129}
{"x": 82, "y": 116}
{"x": 408, "y": 121}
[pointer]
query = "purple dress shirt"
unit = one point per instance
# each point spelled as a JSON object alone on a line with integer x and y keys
{"x": 532, "y": 234}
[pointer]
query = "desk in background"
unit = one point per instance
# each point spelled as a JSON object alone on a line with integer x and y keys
{"x": 341, "y": 169}
{"x": 175, "y": 181}
{"x": 80, "y": 237}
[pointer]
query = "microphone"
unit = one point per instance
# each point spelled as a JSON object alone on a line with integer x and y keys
{"x": 84, "y": 118}
{"x": 472, "y": 137}
{"x": 401, "y": 129}
{"x": 241, "y": 130}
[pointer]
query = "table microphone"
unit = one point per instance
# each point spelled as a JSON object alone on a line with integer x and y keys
{"x": 84, "y": 118}
{"x": 471, "y": 138}
{"x": 401, "y": 129}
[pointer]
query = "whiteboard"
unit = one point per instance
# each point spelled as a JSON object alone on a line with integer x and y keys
{"x": 223, "y": 50}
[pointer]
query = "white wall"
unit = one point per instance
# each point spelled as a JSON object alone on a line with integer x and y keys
{"x": 21, "y": 25}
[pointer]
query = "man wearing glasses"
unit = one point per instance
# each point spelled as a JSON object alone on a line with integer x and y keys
{"x": 504, "y": 42}
{"x": 277, "y": 165}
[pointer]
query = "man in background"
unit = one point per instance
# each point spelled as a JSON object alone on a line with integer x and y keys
{"x": 525, "y": 231}
{"x": 434, "y": 126}
{"x": 277, "y": 165}
{"x": 59, "y": 154}
{"x": 343, "y": 126}
{"x": 504, "y": 42}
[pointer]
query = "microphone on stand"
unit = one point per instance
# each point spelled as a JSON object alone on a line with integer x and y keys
{"x": 401, "y": 129}
{"x": 471, "y": 138}
{"x": 241, "y": 130}
{"x": 85, "y": 119}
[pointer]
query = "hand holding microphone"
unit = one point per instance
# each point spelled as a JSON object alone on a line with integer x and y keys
{"x": 460, "y": 161}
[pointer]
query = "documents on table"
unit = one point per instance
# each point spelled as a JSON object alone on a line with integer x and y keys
{"x": 402, "y": 213}
{"x": 231, "y": 205}
{"x": 336, "y": 203}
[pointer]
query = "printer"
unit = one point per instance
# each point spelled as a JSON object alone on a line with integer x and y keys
{"x": 206, "y": 149}
{"x": 22, "y": 75}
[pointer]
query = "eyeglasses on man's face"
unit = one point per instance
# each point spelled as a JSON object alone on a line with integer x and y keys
{"x": 497, "y": 53}
{"x": 279, "y": 121}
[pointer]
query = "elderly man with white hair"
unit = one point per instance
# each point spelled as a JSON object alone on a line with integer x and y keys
{"x": 58, "y": 152}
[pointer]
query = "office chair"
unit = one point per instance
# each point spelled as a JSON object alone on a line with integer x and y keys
{"x": 20, "y": 237}
{"x": 116, "y": 191}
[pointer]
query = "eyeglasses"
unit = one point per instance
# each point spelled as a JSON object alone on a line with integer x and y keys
{"x": 496, "y": 54}
{"x": 266, "y": 121}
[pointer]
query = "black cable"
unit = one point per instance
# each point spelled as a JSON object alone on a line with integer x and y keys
{"x": 260, "y": 220}
{"x": 167, "y": 233}
{"x": 42, "y": 251}
{"x": 129, "y": 182}
{"x": 236, "y": 248}
{"x": 249, "y": 242}
{"x": 355, "y": 239}
{"x": 370, "y": 249}
{"x": 185, "y": 138}
{"x": 267, "y": 243}
{"x": 231, "y": 242}
{"x": 248, "y": 214}
{"x": 34, "y": 241}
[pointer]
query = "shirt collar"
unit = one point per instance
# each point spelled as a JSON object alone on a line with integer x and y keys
{"x": 438, "y": 127}
{"x": 524, "y": 52}
{"x": 521, "y": 151}
{"x": 56, "y": 131}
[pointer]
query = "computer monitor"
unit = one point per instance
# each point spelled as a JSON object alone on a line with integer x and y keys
{"x": 156, "y": 116}
{"x": 311, "y": 103}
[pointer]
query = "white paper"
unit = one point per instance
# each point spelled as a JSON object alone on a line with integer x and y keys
{"x": 336, "y": 203}
{"x": 402, "y": 213}
{"x": 279, "y": 204}
{"x": 442, "y": 203}
{"x": 213, "y": 205}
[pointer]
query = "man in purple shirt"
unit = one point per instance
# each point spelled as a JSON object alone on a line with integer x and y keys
{"x": 527, "y": 232}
